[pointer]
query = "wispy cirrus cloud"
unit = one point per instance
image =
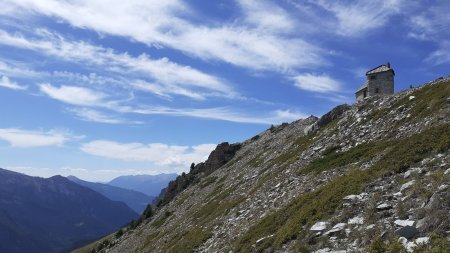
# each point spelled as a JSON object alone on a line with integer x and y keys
{"x": 15, "y": 70}
{"x": 168, "y": 75}
{"x": 221, "y": 113}
{"x": 82, "y": 96}
{"x": 321, "y": 83}
{"x": 429, "y": 24}
{"x": 158, "y": 153}
{"x": 92, "y": 115}
{"x": 28, "y": 139}
{"x": 7, "y": 83}
{"x": 258, "y": 46}
{"x": 73, "y": 95}
{"x": 355, "y": 18}
{"x": 267, "y": 16}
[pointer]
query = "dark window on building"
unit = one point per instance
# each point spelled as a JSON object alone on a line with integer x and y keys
{"x": 377, "y": 90}
{"x": 365, "y": 94}
{"x": 373, "y": 77}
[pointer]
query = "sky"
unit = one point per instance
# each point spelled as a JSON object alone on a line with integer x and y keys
{"x": 103, "y": 88}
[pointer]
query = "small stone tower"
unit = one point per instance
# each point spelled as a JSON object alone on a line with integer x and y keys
{"x": 380, "y": 81}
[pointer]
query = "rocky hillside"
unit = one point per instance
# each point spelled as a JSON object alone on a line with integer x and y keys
{"x": 371, "y": 177}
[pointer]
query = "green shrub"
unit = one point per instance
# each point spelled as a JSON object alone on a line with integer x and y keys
{"x": 119, "y": 233}
{"x": 148, "y": 212}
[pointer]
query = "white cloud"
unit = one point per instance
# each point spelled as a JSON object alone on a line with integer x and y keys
{"x": 158, "y": 153}
{"x": 316, "y": 83}
{"x": 357, "y": 17}
{"x": 28, "y": 139}
{"x": 165, "y": 91}
{"x": 267, "y": 16}
{"x": 7, "y": 83}
{"x": 73, "y": 95}
{"x": 441, "y": 55}
{"x": 91, "y": 115}
{"x": 220, "y": 113}
{"x": 12, "y": 70}
{"x": 168, "y": 75}
{"x": 430, "y": 24}
{"x": 165, "y": 23}
{"x": 86, "y": 97}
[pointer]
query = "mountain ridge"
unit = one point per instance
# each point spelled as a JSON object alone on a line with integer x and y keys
{"x": 53, "y": 214}
{"x": 150, "y": 185}
{"x": 137, "y": 201}
{"x": 352, "y": 180}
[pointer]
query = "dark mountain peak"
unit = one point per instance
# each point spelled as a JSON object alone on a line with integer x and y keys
{"x": 53, "y": 214}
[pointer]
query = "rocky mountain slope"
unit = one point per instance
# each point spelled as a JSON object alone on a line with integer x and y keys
{"x": 54, "y": 214}
{"x": 370, "y": 177}
{"x": 137, "y": 201}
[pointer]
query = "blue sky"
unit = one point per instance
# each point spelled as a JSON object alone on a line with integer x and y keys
{"x": 102, "y": 88}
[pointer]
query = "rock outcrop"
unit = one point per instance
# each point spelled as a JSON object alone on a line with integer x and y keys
{"x": 223, "y": 153}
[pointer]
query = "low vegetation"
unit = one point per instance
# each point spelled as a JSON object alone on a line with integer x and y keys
{"x": 294, "y": 220}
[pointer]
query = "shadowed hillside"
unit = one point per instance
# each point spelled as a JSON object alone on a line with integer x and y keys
{"x": 54, "y": 214}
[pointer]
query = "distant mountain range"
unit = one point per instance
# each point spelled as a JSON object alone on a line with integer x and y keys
{"x": 134, "y": 199}
{"x": 148, "y": 184}
{"x": 54, "y": 214}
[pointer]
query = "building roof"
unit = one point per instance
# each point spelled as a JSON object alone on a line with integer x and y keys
{"x": 364, "y": 86}
{"x": 381, "y": 68}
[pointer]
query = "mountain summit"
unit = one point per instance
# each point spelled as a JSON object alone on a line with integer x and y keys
{"x": 370, "y": 177}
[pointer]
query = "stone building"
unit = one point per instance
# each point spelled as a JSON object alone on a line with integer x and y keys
{"x": 380, "y": 81}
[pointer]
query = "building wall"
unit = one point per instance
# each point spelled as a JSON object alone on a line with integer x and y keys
{"x": 383, "y": 81}
{"x": 360, "y": 95}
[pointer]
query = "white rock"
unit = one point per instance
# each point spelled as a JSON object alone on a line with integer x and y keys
{"x": 407, "y": 185}
{"x": 412, "y": 170}
{"x": 412, "y": 97}
{"x": 263, "y": 238}
{"x": 442, "y": 187}
{"x": 422, "y": 240}
{"x": 363, "y": 195}
{"x": 384, "y": 206}
{"x": 325, "y": 250}
{"x": 397, "y": 194}
{"x": 336, "y": 228}
{"x": 370, "y": 226}
{"x": 447, "y": 171}
{"x": 320, "y": 226}
{"x": 328, "y": 250}
{"x": 356, "y": 220}
{"x": 403, "y": 241}
{"x": 351, "y": 197}
{"x": 404, "y": 223}
{"x": 422, "y": 222}
{"x": 408, "y": 245}
{"x": 317, "y": 148}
